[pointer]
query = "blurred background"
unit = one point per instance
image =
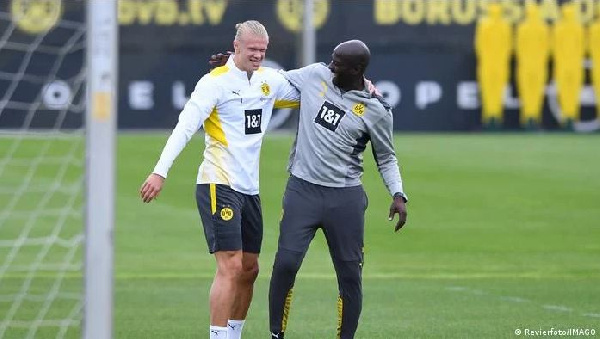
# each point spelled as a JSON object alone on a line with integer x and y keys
{"x": 423, "y": 56}
{"x": 496, "y": 117}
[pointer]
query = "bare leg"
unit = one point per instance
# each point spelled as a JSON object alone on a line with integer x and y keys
{"x": 245, "y": 286}
{"x": 224, "y": 287}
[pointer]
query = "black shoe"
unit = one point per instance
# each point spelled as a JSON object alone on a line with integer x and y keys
{"x": 278, "y": 335}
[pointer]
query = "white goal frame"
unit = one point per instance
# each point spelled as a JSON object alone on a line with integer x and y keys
{"x": 101, "y": 60}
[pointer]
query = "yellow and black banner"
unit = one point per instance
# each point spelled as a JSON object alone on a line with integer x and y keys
{"x": 423, "y": 56}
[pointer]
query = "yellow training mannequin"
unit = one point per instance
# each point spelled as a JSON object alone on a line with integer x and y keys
{"x": 533, "y": 50}
{"x": 569, "y": 49}
{"x": 493, "y": 45}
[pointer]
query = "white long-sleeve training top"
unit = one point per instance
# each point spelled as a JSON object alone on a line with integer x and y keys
{"x": 235, "y": 112}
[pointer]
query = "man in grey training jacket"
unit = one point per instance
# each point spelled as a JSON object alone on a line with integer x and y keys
{"x": 338, "y": 117}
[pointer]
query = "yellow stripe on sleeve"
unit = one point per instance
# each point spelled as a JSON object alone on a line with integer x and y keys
{"x": 286, "y": 104}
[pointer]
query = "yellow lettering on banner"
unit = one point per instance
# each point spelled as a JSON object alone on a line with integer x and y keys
{"x": 167, "y": 12}
{"x": 101, "y": 106}
{"x": 127, "y": 12}
{"x": 483, "y": 7}
{"x": 512, "y": 10}
{"x": 195, "y": 9}
{"x": 438, "y": 12}
{"x": 549, "y": 9}
{"x": 387, "y": 12}
{"x": 461, "y": 12}
{"x": 145, "y": 12}
{"x": 170, "y": 12}
{"x": 446, "y": 12}
{"x": 585, "y": 8}
{"x": 413, "y": 11}
{"x": 215, "y": 10}
{"x": 464, "y": 12}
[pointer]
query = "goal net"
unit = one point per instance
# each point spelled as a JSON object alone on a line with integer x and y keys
{"x": 42, "y": 167}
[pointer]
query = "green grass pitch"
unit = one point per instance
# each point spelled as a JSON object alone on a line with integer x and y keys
{"x": 503, "y": 233}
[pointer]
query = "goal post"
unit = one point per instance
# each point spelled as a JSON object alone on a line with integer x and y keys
{"x": 58, "y": 91}
{"x": 100, "y": 168}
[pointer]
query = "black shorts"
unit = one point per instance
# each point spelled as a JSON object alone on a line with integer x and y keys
{"x": 232, "y": 220}
{"x": 340, "y": 212}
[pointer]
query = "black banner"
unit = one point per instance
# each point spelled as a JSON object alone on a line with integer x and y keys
{"x": 423, "y": 59}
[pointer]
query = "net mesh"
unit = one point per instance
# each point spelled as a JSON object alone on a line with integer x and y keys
{"x": 42, "y": 145}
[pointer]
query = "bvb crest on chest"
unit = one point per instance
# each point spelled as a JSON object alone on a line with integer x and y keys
{"x": 359, "y": 109}
{"x": 266, "y": 90}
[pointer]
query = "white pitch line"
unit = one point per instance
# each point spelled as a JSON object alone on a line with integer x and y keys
{"x": 555, "y": 308}
{"x": 515, "y": 299}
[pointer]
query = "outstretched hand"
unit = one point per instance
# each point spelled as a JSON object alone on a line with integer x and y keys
{"x": 151, "y": 187}
{"x": 219, "y": 59}
{"x": 398, "y": 206}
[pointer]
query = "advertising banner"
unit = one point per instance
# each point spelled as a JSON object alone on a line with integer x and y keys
{"x": 423, "y": 58}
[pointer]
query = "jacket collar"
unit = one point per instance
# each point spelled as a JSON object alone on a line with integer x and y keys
{"x": 235, "y": 70}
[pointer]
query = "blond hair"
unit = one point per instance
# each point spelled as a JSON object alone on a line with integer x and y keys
{"x": 252, "y": 27}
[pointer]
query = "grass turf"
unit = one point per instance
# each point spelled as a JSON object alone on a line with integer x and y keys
{"x": 503, "y": 233}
